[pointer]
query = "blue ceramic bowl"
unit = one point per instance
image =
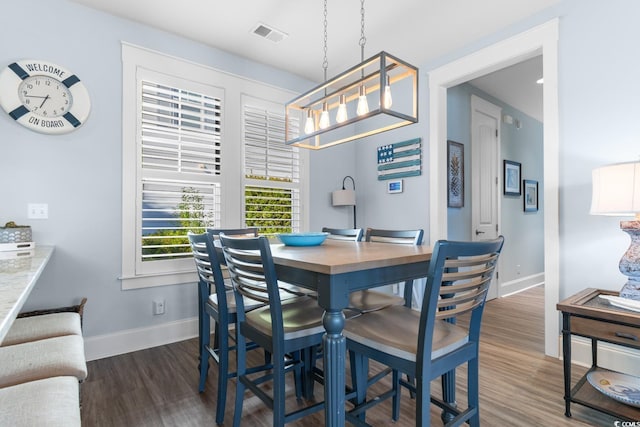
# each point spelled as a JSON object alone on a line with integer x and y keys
{"x": 302, "y": 239}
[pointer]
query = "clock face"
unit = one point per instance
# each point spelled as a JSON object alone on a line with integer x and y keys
{"x": 45, "y": 96}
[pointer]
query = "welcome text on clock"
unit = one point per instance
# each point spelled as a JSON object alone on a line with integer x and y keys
{"x": 45, "y": 68}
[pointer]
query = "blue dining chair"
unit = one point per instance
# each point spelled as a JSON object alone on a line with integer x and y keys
{"x": 429, "y": 343}
{"x": 349, "y": 234}
{"x": 283, "y": 327}
{"x": 215, "y": 300}
{"x": 371, "y": 300}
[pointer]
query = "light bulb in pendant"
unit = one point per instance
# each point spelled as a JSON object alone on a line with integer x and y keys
{"x": 341, "y": 115}
{"x": 387, "y": 101}
{"x": 309, "y": 126}
{"x": 363, "y": 105}
{"x": 324, "y": 117}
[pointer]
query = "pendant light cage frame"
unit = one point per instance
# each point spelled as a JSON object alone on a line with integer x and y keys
{"x": 374, "y": 74}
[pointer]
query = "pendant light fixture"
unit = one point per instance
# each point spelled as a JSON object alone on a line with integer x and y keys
{"x": 349, "y": 99}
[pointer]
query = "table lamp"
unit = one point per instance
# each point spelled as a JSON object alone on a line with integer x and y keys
{"x": 616, "y": 192}
{"x": 345, "y": 197}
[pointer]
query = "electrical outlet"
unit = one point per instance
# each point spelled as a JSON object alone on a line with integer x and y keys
{"x": 158, "y": 307}
{"x": 37, "y": 211}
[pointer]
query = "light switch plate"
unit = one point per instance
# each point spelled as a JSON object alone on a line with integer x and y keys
{"x": 37, "y": 211}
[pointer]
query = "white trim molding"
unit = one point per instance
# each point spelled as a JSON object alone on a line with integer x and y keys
{"x": 521, "y": 284}
{"x": 102, "y": 346}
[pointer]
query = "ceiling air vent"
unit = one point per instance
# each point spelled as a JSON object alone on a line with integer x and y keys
{"x": 269, "y": 33}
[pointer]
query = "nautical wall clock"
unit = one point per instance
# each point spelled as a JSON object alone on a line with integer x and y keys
{"x": 44, "y": 96}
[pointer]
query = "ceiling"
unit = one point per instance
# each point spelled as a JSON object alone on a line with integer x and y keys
{"x": 516, "y": 85}
{"x": 413, "y": 30}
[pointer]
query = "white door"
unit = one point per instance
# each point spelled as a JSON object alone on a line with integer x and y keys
{"x": 485, "y": 172}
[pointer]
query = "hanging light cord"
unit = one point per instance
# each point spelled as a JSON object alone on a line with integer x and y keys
{"x": 325, "y": 63}
{"x": 363, "y": 39}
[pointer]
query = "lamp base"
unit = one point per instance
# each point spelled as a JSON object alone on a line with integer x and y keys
{"x": 630, "y": 262}
{"x": 631, "y": 290}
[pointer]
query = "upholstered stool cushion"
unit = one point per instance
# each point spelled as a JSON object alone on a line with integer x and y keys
{"x": 51, "y": 402}
{"x": 33, "y": 328}
{"x": 51, "y": 357}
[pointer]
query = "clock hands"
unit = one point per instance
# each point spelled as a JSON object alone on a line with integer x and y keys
{"x": 44, "y": 100}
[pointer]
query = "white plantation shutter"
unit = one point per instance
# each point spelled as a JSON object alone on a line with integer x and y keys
{"x": 272, "y": 170}
{"x": 193, "y": 156}
{"x": 180, "y": 159}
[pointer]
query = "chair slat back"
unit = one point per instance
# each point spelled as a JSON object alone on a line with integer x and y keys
{"x": 406, "y": 237}
{"x": 248, "y": 232}
{"x": 459, "y": 277}
{"x": 237, "y": 232}
{"x": 464, "y": 284}
{"x": 208, "y": 267}
{"x": 252, "y": 272}
{"x": 351, "y": 234}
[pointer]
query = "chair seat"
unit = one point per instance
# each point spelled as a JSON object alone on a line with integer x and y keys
{"x": 33, "y": 328}
{"x": 394, "y": 331}
{"x": 51, "y": 357}
{"x": 368, "y": 300}
{"x": 51, "y": 402}
{"x": 301, "y": 317}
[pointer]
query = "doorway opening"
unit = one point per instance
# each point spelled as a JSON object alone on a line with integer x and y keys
{"x": 541, "y": 40}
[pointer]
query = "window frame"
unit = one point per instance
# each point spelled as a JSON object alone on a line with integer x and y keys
{"x": 137, "y": 62}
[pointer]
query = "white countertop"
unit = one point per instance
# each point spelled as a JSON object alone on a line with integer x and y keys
{"x": 17, "y": 278}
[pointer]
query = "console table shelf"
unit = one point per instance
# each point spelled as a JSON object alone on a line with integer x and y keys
{"x": 587, "y": 315}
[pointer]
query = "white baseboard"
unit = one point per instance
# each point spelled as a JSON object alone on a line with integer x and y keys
{"x": 101, "y": 346}
{"x": 518, "y": 285}
{"x": 610, "y": 356}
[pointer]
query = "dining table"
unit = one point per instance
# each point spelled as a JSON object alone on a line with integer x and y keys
{"x": 334, "y": 269}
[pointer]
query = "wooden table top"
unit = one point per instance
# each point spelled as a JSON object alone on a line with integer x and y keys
{"x": 336, "y": 256}
{"x": 587, "y": 303}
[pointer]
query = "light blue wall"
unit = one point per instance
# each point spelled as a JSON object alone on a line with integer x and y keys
{"x": 79, "y": 175}
{"x": 523, "y": 231}
{"x": 598, "y": 93}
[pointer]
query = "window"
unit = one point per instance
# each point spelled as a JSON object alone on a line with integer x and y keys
{"x": 201, "y": 148}
{"x": 180, "y": 152}
{"x": 272, "y": 170}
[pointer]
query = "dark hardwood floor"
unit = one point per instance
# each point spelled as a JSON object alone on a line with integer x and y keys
{"x": 519, "y": 385}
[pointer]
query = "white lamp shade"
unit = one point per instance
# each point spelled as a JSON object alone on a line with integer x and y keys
{"x": 616, "y": 190}
{"x": 343, "y": 198}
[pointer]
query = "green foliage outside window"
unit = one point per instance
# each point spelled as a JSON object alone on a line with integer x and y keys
{"x": 268, "y": 208}
{"x": 191, "y": 216}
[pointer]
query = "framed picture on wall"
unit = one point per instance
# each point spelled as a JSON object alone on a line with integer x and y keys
{"x": 530, "y": 195}
{"x": 511, "y": 178}
{"x": 455, "y": 174}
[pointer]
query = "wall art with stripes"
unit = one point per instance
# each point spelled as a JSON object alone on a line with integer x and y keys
{"x": 400, "y": 160}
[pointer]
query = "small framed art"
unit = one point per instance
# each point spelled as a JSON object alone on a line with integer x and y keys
{"x": 511, "y": 178}
{"x": 455, "y": 174}
{"x": 530, "y": 195}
